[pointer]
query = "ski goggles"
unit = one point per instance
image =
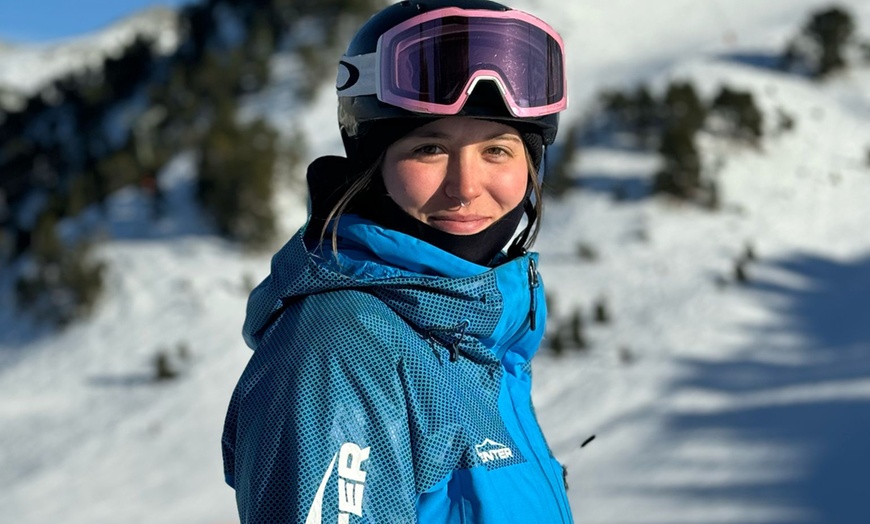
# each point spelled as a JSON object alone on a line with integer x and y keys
{"x": 432, "y": 62}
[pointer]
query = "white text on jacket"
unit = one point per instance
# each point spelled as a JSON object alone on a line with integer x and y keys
{"x": 351, "y": 480}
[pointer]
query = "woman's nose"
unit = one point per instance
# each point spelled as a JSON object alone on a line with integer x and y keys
{"x": 462, "y": 182}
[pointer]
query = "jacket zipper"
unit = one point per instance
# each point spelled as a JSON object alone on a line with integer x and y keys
{"x": 534, "y": 283}
{"x": 543, "y": 463}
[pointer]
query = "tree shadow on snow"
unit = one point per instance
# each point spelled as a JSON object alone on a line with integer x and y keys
{"x": 807, "y": 403}
{"x": 623, "y": 188}
{"x": 123, "y": 381}
{"x": 773, "y": 62}
{"x": 758, "y": 60}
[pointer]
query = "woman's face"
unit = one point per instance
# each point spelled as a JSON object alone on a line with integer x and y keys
{"x": 457, "y": 174}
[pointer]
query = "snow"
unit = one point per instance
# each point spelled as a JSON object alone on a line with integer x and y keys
{"x": 27, "y": 69}
{"x": 711, "y": 401}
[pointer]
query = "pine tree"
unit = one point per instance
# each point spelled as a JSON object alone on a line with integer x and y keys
{"x": 163, "y": 367}
{"x": 578, "y": 339}
{"x": 118, "y": 170}
{"x": 684, "y": 106}
{"x": 236, "y": 177}
{"x": 559, "y": 179}
{"x": 646, "y": 116}
{"x": 602, "y": 311}
{"x": 740, "y": 274}
{"x": 819, "y": 48}
{"x": 681, "y": 173}
{"x": 742, "y": 118}
{"x": 557, "y": 343}
{"x": 62, "y": 283}
{"x": 831, "y": 30}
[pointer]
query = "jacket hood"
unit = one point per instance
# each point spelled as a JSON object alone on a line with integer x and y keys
{"x": 439, "y": 294}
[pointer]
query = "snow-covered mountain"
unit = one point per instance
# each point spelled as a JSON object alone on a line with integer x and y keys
{"x": 27, "y": 68}
{"x": 711, "y": 401}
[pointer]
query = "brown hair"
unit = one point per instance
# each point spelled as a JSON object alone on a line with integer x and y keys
{"x": 358, "y": 186}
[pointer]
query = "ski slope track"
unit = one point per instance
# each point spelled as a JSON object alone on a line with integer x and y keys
{"x": 712, "y": 402}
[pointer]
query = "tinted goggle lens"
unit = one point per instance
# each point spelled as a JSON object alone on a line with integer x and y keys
{"x": 429, "y": 63}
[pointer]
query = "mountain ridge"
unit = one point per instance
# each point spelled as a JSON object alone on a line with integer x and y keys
{"x": 33, "y": 66}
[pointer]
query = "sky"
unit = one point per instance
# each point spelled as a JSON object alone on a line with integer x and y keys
{"x": 30, "y": 21}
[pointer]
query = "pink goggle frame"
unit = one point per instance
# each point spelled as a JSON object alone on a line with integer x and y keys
{"x": 432, "y": 62}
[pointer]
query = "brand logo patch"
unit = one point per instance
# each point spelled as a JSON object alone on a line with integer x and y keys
{"x": 490, "y": 450}
{"x": 351, "y": 484}
{"x": 347, "y": 76}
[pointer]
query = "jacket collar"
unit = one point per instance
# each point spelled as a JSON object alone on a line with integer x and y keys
{"x": 438, "y": 293}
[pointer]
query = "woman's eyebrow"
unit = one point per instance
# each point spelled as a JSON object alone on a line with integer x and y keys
{"x": 505, "y": 136}
{"x": 441, "y": 134}
{"x": 428, "y": 134}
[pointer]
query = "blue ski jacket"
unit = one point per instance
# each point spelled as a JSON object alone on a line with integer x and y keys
{"x": 391, "y": 384}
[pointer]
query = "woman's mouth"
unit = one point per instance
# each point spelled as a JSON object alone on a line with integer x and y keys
{"x": 459, "y": 224}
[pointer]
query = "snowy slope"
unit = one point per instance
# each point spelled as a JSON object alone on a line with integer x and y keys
{"x": 711, "y": 402}
{"x": 25, "y": 69}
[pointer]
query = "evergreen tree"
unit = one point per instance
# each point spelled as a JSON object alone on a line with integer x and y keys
{"x": 81, "y": 193}
{"x": 819, "y": 48}
{"x": 830, "y": 29}
{"x": 683, "y": 105}
{"x": 646, "y": 116}
{"x": 602, "y": 312}
{"x": 742, "y": 118}
{"x": 559, "y": 179}
{"x": 164, "y": 369}
{"x": 557, "y": 343}
{"x": 62, "y": 283}
{"x": 236, "y": 177}
{"x": 681, "y": 174}
{"x": 118, "y": 170}
{"x": 256, "y": 52}
{"x": 575, "y": 326}
{"x": 637, "y": 112}
{"x": 64, "y": 131}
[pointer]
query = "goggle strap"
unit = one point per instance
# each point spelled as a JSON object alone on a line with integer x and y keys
{"x": 357, "y": 75}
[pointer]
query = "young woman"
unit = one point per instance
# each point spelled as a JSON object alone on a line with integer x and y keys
{"x": 391, "y": 375}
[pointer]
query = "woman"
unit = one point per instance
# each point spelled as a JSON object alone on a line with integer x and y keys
{"x": 393, "y": 338}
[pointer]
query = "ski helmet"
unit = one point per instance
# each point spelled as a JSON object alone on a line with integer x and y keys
{"x": 419, "y": 60}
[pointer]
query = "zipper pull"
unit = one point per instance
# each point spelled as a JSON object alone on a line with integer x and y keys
{"x": 533, "y": 295}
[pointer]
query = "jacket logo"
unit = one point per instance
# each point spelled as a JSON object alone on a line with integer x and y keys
{"x": 490, "y": 450}
{"x": 351, "y": 484}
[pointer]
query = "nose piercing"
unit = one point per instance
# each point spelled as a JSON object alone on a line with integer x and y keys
{"x": 463, "y": 203}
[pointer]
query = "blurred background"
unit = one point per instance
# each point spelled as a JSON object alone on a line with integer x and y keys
{"x": 705, "y": 249}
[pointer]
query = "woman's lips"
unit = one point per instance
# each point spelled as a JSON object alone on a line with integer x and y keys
{"x": 459, "y": 224}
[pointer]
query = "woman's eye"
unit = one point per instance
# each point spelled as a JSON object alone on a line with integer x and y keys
{"x": 427, "y": 150}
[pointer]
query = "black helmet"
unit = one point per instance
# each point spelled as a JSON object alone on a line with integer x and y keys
{"x": 368, "y": 97}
